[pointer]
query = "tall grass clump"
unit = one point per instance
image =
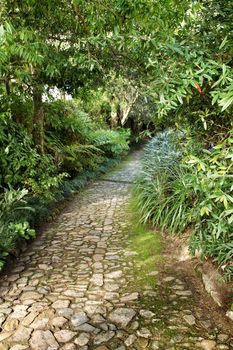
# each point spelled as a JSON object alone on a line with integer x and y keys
{"x": 162, "y": 197}
{"x": 177, "y": 190}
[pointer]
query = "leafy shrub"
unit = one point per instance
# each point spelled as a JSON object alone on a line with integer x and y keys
{"x": 113, "y": 143}
{"x": 213, "y": 206}
{"x": 155, "y": 184}
{"x": 28, "y": 179}
{"x": 68, "y": 122}
{"x": 13, "y": 228}
{"x": 74, "y": 158}
{"x": 176, "y": 191}
{"x": 21, "y": 165}
{"x": 76, "y": 143}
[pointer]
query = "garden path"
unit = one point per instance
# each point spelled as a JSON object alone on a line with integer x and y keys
{"x": 75, "y": 286}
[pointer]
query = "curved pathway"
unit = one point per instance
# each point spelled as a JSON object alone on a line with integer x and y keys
{"x": 74, "y": 286}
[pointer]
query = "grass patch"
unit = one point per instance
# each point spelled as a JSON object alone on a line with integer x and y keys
{"x": 147, "y": 244}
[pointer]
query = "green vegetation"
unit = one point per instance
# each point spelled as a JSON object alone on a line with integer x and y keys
{"x": 50, "y": 147}
{"x": 75, "y": 150}
{"x": 160, "y": 170}
{"x": 186, "y": 181}
{"x": 11, "y": 229}
{"x": 177, "y": 192}
{"x": 130, "y": 69}
{"x": 193, "y": 83}
{"x": 147, "y": 245}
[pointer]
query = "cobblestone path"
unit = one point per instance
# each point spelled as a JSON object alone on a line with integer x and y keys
{"x": 72, "y": 289}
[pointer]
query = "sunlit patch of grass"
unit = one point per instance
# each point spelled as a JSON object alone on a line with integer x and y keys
{"x": 147, "y": 245}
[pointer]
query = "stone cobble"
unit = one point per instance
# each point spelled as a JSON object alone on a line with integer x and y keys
{"x": 73, "y": 288}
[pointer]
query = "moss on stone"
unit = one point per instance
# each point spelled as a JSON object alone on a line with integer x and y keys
{"x": 147, "y": 245}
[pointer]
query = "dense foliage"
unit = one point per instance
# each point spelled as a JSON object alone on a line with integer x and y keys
{"x": 31, "y": 183}
{"x": 180, "y": 192}
{"x": 186, "y": 183}
{"x": 192, "y": 83}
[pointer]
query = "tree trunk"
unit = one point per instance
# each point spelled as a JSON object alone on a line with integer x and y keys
{"x": 125, "y": 113}
{"x": 38, "y": 119}
{"x": 8, "y": 88}
{"x": 114, "y": 112}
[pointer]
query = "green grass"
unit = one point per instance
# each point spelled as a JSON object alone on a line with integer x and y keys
{"x": 147, "y": 244}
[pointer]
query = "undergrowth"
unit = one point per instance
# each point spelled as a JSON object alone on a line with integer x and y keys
{"x": 33, "y": 183}
{"x": 178, "y": 190}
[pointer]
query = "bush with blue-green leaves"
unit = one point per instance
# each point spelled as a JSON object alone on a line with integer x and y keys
{"x": 177, "y": 191}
